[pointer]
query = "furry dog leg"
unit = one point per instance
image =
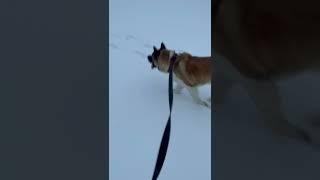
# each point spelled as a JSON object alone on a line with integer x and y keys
{"x": 179, "y": 85}
{"x": 178, "y": 88}
{"x": 313, "y": 129}
{"x": 266, "y": 98}
{"x": 195, "y": 96}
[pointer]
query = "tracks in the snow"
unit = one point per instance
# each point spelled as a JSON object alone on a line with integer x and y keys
{"x": 129, "y": 38}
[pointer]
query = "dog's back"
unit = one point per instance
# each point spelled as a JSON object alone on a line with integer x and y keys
{"x": 194, "y": 70}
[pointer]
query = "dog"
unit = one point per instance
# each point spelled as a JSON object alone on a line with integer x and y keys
{"x": 189, "y": 71}
{"x": 258, "y": 44}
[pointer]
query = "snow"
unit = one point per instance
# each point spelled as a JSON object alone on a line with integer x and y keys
{"x": 247, "y": 148}
{"x": 138, "y": 96}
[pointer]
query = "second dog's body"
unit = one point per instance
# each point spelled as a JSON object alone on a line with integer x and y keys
{"x": 262, "y": 43}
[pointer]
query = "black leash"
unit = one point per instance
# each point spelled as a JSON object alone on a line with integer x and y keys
{"x": 166, "y": 134}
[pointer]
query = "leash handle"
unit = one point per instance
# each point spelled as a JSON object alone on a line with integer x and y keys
{"x": 166, "y": 134}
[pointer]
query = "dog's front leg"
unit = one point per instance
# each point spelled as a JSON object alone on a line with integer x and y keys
{"x": 178, "y": 88}
{"x": 267, "y": 100}
{"x": 195, "y": 96}
{"x": 313, "y": 129}
{"x": 179, "y": 85}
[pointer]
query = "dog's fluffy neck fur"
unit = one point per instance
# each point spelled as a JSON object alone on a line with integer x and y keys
{"x": 167, "y": 54}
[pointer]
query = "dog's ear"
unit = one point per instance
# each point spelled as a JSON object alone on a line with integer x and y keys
{"x": 154, "y": 48}
{"x": 162, "y": 46}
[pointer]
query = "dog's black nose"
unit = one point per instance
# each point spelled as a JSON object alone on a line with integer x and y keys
{"x": 150, "y": 59}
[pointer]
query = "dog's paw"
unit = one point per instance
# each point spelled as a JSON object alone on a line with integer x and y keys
{"x": 204, "y": 103}
{"x": 207, "y": 104}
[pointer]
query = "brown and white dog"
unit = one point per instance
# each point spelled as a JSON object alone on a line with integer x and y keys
{"x": 261, "y": 42}
{"x": 189, "y": 71}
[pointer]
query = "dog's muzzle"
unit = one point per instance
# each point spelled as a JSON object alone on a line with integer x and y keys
{"x": 150, "y": 60}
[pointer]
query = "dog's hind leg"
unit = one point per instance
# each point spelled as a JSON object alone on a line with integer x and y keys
{"x": 195, "y": 96}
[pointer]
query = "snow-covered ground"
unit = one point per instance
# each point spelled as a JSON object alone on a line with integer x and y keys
{"x": 139, "y": 96}
{"x": 247, "y": 148}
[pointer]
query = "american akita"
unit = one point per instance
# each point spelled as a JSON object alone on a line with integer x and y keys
{"x": 263, "y": 42}
{"x": 189, "y": 71}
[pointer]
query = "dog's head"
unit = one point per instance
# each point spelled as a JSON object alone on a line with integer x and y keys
{"x": 160, "y": 58}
